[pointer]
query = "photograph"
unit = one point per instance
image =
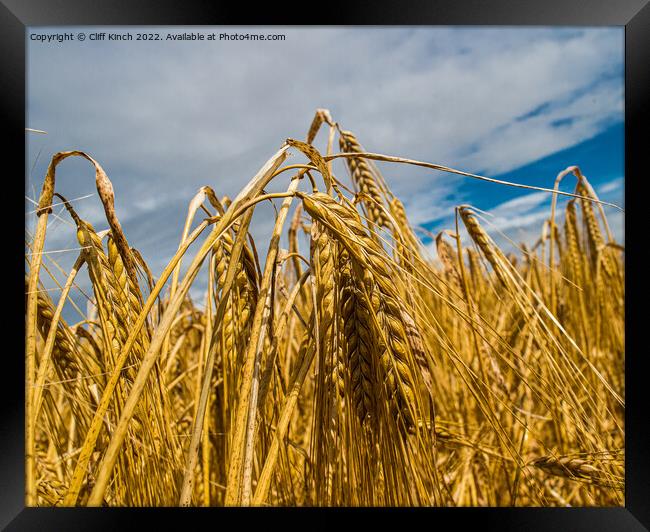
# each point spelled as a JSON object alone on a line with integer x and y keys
{"x": 325, "y": 266}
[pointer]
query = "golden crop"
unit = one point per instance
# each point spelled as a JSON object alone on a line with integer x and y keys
{"x": 359, "y": 371}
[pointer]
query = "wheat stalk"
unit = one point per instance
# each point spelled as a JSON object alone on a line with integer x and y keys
{"x": 357, "y": 372}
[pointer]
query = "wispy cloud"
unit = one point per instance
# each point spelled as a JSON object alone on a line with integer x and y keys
{"x": 611, "y": 186}
{"x": 164, "y": 119}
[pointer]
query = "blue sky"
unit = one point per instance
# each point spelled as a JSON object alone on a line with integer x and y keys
{"x": 165, "y": 118}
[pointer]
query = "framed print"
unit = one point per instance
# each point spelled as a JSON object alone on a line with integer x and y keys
{"x": 374, "y": 265}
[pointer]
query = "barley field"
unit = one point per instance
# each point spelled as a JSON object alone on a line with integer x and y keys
{"x": 361, "y": 370}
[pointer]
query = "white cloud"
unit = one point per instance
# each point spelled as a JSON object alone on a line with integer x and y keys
{"x": 164, "y": 119}
{"x": 611, "y": 186}
{"x": 521, "y": 204}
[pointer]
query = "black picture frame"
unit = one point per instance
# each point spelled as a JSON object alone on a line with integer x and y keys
{"x": 17, "y": 15}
